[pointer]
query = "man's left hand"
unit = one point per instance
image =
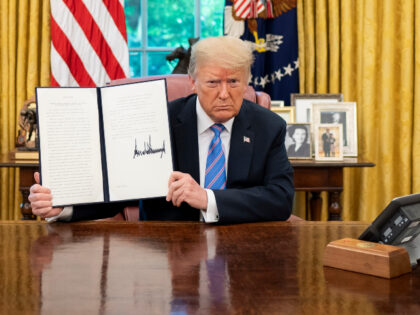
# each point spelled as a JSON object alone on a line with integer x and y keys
{"x": 183, "y": 188}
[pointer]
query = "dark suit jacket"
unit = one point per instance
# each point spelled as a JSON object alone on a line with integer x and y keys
{"x": 259, "y": 178}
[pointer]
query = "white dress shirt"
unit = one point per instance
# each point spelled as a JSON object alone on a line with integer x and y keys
{"x": 205, "y": 135}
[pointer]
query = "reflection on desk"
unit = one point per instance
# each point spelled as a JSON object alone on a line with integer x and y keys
{"x": 188, "y": 268}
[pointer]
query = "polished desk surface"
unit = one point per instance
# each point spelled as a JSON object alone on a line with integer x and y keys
{"x": 107, "y": 267}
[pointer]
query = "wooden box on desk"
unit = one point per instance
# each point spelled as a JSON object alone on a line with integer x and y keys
{"x": 375, "y": 259}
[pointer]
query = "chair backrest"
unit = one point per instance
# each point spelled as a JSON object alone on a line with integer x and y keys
{"x": 179, "y": 85}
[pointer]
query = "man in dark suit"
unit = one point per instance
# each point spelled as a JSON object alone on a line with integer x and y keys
{"x": 326, "y": 142}
{"x": 230, "y": 160}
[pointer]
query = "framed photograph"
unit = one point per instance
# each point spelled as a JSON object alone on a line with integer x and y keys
{"x": 339, "y": 113}
{"x": 298, "y": 141}
{"x": 286, "y": 112}
{"x": 277, "y": 103}
{"x": 328, "y": 142}
{"x": 303, "y": 104}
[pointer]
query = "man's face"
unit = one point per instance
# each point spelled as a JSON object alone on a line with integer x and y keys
{"x": 220, "y": 91}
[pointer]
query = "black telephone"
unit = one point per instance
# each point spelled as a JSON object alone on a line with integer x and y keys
{"x": 398, "y": 224}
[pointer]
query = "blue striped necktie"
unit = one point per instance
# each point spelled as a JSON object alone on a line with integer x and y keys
{"x": 215, "y": 177}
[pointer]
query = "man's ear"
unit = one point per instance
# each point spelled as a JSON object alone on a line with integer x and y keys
{"x": 192, "y": 81}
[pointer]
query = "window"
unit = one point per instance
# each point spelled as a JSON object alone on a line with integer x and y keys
{"x": 156, "y": 27}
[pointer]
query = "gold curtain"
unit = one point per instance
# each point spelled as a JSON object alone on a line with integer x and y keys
{"x": 369, "y": 50}
{"x": 24, "y": 64}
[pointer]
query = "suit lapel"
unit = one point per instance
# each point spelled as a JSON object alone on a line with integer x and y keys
{"x": 186, "y": 139}
{"x": 241, "y": 148}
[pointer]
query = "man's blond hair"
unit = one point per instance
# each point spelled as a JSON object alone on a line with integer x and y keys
{"x": 223, "y": 51}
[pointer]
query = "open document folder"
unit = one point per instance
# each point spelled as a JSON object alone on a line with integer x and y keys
{"x": 104, "y": 144}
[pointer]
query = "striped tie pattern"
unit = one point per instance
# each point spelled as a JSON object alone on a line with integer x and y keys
{"x": 215, "y": 177}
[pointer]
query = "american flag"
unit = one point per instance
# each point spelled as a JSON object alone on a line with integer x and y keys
{"x": 248, "y": 8}
{"x": 88, "y": 42}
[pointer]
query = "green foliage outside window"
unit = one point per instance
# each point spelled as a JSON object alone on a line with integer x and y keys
{"x": 169, "y": 24}
{"x": 157, "y": 63}
{"x": 212, "y": 12}
{"x": 132, "y": 11}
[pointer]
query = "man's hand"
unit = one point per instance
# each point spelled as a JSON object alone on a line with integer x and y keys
{"x": 182, "y": 187}
{"x": 41, "y": 200}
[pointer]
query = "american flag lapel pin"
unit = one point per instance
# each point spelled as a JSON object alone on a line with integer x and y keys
{"x": 247, "y": 140}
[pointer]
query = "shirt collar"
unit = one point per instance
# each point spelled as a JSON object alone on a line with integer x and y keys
{"x": 204, "y": 122}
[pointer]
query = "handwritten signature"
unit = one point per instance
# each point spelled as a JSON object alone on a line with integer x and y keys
{"x": 148, "y": 149}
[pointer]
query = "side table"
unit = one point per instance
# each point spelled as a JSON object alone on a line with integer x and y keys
{"x": 317, "y": 176}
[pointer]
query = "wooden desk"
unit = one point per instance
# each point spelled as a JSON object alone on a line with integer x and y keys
{"x": 315, "y": 177}
{"x": 309, "y": 176}
{"x": 190, "y": 268}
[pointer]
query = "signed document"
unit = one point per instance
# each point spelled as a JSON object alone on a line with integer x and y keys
{"x": 104, "y": 144}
